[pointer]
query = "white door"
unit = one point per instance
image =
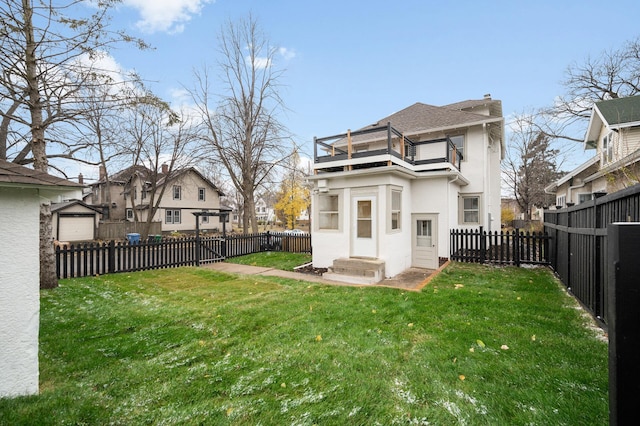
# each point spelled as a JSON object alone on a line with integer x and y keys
{"x": 363, "y": 227}
{"x": 424, "y": 229}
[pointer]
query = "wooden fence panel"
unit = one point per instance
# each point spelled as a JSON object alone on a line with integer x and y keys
{"x": 108, "y": 231}
{"x": 103, "y": 258}
{"x": 579, "y": 244}
{"x": 499, "y": 247}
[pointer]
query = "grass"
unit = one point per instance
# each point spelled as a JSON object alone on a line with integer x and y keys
{"x": 274, "y": 259}
{"x": 194, "y": 346}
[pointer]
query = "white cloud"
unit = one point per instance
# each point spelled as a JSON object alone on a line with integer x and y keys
{"x": 165, "y": 15}
{"x": 287, "y": 53}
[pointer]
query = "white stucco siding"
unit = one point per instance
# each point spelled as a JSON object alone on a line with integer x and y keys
{"x": 432, "y": 196}
{"x": 329, "y": 245}
{"x": 395, "y": 244}
{"x": 19, "y": 292}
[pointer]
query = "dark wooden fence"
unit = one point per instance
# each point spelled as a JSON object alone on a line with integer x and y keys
{"x": 506, "y": 248}
{"x": 104, "y": 258}
{"x": 579, "y": 244}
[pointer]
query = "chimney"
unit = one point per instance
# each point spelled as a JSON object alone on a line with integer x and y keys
{"x": 165, "y": 168}
{"x": 487, "y": 96}
{"x": 81, "y": 179}
{"x": 103, "y": 173}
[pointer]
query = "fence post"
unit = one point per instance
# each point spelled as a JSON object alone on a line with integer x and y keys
{"x": 111, "y": 256}
{"x": 516, "y": 246}
{"x": 483, "y": 247}
{"x": 624, "y": 317}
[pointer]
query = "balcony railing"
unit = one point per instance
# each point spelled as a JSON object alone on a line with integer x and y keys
{"x": 382, "y": 146}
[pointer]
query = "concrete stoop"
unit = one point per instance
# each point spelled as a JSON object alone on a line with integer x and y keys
{"x": 355, "y": 270}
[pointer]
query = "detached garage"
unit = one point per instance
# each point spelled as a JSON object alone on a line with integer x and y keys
{"x": 74, "y": 221}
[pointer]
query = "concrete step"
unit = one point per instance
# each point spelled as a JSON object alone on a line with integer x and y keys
{"x": 356, "y": 270}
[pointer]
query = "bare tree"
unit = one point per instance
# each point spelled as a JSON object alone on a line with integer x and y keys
{"x": 242, "y": 130}
{"x": 41, "y": 51}
{"x": 529, "y": 166}
{"x": 612, "y": 74}
{"x": 160, "y": 140}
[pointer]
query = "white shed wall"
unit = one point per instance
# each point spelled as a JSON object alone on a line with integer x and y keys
{"x": 19, "y": 292}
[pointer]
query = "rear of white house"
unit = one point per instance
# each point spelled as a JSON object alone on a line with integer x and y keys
{"x": 390, "y": 192}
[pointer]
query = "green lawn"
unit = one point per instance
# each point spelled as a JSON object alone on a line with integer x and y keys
{"x": 274, "y": 259}
{"x": 189, "y": 346}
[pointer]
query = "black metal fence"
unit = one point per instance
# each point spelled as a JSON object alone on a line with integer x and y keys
{"x": 579, "y": 244}
{"x": 506, "y": 248}
{"x": 104, "y": 258}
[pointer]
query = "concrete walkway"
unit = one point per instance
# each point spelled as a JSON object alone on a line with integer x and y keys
{"x": 413, "y": 279}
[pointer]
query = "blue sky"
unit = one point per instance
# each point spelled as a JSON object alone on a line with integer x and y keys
{"x": 350, "y": 63}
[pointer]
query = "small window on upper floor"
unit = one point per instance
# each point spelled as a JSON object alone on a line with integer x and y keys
{"x": 607, "y": 148}
{"x": 458, "y": 142}
{"x": 177, "y": 192}
{"x": 201, "y": 194}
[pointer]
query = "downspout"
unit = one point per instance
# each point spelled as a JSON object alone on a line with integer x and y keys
{"x": 570, "y": 192}
{"x": 487, "y": 184}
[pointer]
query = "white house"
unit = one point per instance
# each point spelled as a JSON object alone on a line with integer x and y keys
{"x": 129, "y": 193}
{"x": 387, "y": 195}
{"x": 614, "y": 134}
{"x": 186, "y": 191}
{"x": 22, "y": 190}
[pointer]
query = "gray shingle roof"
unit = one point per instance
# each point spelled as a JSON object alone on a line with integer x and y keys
{"x": 14, "y": 174}
{"x": 621, "y": 110}
{"x": 421, "y": 117}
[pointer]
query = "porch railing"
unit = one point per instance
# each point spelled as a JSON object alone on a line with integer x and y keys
{"x": 345, "y": 146}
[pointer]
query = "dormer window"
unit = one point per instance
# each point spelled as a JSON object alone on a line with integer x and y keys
{"x": 607, "y": 148}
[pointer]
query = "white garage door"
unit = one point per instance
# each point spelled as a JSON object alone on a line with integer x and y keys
{"x": 76, "y": 228}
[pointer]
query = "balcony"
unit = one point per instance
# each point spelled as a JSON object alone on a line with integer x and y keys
{"x": 382, "y": 146}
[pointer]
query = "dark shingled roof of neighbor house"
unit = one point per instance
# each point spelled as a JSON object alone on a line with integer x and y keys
{"x": 17, "y": 175}
{"x": 620, "y": 110}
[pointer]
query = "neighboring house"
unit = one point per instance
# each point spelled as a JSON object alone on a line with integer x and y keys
{"x": 614, "y": 133}
{"x": 108, "y": 192}
{"x": 22, "y": 190}
{"x": 264, "y": 213}
{"x": 74, "y": 220}
{"x": 185, "y": 191}
{"x": 391, "y": 192}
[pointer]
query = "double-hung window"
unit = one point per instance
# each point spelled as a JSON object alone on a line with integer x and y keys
{"x": 177, "y": 192}
{"x": 328, "y": 213}
{"x": 458, "y": 142}
{"x": 396, "y": 209}
{"x": 172, "y": 216}
{"x": 469, "y": 209}
{"x": 607, "y": 148}
{"x": 201, "y": 194}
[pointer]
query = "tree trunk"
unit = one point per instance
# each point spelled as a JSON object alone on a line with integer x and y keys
{"x": 48, "y": 278}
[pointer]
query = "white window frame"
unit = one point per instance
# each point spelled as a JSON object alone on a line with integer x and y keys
{"x": 460, "y": 148}
{"x": 177, "y": 192}
{"x": 129, "y": 214}
{"x": 172, "y": 216}
{"x": 463, "y": 209}
{"x": 329, "y": 212}
{"x": 394, "y": 210}
{"x": 584, "y": 197}
{"x": 561, "y": 200}
{"x": 607, "y": 148}
{"x": 202, "y": 194}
